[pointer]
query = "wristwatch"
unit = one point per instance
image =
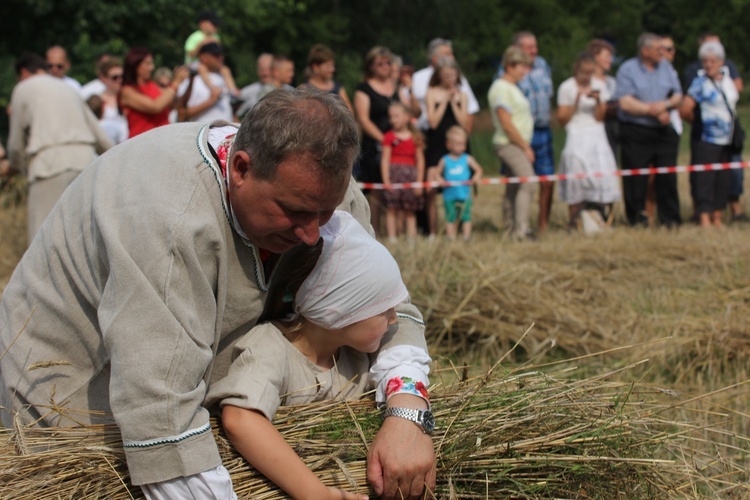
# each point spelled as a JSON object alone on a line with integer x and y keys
{"x": 423, "y": 418}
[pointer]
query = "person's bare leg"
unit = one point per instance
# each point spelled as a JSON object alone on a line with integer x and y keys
{"x": 651, "y": 200}
{"x": 574, "y": 210}
{"x": 704, "y": 219}
{"x": 735, "y": 208}
{"x": 545, "y": 204}
{"x": 716, "y": 218}
{"x": 411, "y": 224}
{"x": 390, "y": 223}
{"x": 467, "y": 230}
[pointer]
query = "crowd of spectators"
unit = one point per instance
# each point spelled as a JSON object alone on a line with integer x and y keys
{"x": 632, "y": 119}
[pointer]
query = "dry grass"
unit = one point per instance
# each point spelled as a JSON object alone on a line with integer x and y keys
{"x": 664, "y": 411}
{"x": 526, "y": 432}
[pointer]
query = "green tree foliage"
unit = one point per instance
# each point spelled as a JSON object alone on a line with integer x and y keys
{"x": 480, "y": 30}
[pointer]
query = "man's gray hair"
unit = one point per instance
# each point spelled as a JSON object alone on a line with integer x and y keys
{"x": 647, "y": 40}
{"x": 301, "y": 122}
{"x": 708, "y": 49}
{"x": 435, "y": 44}
{"x": 520, "y": 35}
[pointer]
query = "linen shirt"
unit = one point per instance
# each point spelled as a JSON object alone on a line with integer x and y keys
{"x": 538, "y": 89}
{"x": 51, "y": 129}
{"x": 268, "y": 372}
{"x": 634, "y": 79}
{"x": 139, "y": 284}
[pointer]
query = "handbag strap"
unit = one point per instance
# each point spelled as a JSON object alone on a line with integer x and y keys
{"x": 731, "y": 113}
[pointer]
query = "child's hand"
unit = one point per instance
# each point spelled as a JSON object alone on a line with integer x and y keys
{"x": 418, "y": 191}
{"x": 476, "y": 179}
{"x": 387, "y": 185}
{"x": 337, "y": 494}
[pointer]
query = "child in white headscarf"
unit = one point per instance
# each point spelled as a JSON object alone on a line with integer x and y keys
{"x": 343, "y": 310}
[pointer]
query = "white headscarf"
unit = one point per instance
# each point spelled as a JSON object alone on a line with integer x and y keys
{"x": 355, "y": 278}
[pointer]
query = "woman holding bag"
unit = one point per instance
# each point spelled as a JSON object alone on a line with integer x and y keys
{"x": 715, "y": 93}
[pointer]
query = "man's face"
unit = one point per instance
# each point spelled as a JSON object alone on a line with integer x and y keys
{"x": 284, "y": 72}
{"x": 57, "y": 63}
{"x": 444, "y": 51}
{"x": 666, "y": 48}
{"x": 528, "y": 45}
{"x": 281, "y": 213}
{"x": 651, "y": 52}
{"x": 264, "y": 69}
{"x": 212, "y": 62}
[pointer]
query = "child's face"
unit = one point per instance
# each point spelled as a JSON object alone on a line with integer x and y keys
{"x": 366, "y": 335}
{"x": 456, "y": 144}
{"x": 397, "y": 117}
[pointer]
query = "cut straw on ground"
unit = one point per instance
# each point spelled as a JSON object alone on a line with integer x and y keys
{"x": 522, "y": 433}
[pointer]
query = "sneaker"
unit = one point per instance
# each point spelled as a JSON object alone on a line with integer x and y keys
{"x": 740, "y": 218}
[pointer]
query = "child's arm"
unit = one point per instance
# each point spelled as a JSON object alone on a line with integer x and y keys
{"x": 385, "y": 165}
{"x": 478, "y": 172}
{"x": 441, "y": 171}
{"x": 226, "y": 73}
{"x": 255, "y": 437}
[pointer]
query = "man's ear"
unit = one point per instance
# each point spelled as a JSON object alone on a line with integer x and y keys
{"x": 239, "y": 168}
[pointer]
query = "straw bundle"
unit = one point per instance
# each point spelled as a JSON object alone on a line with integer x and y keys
{"x": 524, "y": 433}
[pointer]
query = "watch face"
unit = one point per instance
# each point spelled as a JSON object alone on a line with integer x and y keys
{"x": 428, "y": 421}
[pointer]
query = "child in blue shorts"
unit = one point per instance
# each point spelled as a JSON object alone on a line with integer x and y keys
{"x": 458, "y": 166}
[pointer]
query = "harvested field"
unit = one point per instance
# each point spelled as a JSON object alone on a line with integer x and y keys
{"x": 521, "y": 433}
{"x": 625, "y": 373}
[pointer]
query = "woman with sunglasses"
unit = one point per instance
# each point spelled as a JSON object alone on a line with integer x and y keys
{"x": 145, "y": 104}
{"x": 112, "y": 121}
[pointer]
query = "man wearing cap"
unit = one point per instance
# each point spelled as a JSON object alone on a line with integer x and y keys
{"x": 162, "y": 255}
{"x": 205, "y": 103}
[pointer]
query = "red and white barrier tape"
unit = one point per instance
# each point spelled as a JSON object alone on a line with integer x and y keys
{"x": 561, "y": 177}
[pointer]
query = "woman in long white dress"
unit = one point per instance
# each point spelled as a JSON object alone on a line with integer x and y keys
{"x": 581, "y": 106}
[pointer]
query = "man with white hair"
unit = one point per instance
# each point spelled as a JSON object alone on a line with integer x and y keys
{"x": 647, "y": 90}
{"x": 738, "y": 175}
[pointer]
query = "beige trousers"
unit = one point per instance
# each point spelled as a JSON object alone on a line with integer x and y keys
{"x": 43, "y": 194}
{"x": 518, "y": 197}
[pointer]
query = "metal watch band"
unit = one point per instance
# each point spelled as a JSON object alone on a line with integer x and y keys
{"x": 423, "y": 418}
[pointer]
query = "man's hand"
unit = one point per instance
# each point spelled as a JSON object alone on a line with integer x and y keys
{"x": 401, "y": 461}
{"x": 529, "y": 152}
